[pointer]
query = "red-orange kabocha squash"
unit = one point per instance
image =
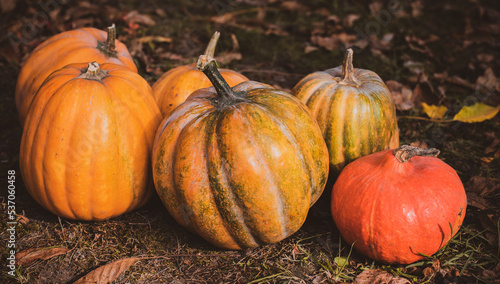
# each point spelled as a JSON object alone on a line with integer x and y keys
{"x": 397, "y": 206}
{"x": 86, "y": 147}
{"x": 353, "y": 108}
{"x": 173, "y": 87}
{"x": 239, "y": 166}
{"x": 76, "y": 46}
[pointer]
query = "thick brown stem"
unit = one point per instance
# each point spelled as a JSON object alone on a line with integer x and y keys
{"x": 348, "y": 69}
{"x": 210, "y": 51}
{"x": 109, "y": 47}
{"x": 110, "y": 41}
{"x": 94, "y": 72}
{"x": 405, "y": 152}
{"x": 208, "y": 66}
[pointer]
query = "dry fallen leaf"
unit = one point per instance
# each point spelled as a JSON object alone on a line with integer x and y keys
{"x": 109, "y": 272}
{"x": 477, "y": 201}
{"x": 419, "y": 144}
{"x": 378, "y": 276}
{"x": 28, "y": 256}
{"x": 402, "y": 95}
{"x": 488, "y": 80}
{"x": 146, "y": 39}
{"x": 136, "y": 17}
{"x": 476, "y": 113}
{"x": 7, "y": 5}
{"x": 482, "y": 186}
{"x": 434, "y": 112}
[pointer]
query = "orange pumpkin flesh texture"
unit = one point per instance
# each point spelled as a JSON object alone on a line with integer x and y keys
{"x": 76, "y": 46}
{"x": 86, "y": 146}
{"x": 354, "y": 110}
{"x": 239, "y": 166}
{"x": 395, "y": 211}
{"x": 173, "y": 87}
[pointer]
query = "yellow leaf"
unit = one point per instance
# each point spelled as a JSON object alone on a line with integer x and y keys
{"x": 476, "y": 113}
{"x": 434, "y": 112}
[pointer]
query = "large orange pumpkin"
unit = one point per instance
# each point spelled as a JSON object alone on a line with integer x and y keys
{"x": 76, "y": 46}
{"x": 354, "y": 109}
{"x": 86, "y": 146}
{"x": 173, "y": 87}
{"x": 239, "y": 166}
{"x": 396, "y": 206}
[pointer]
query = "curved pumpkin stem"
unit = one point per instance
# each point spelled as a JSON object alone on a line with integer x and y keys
{"x": 210, "y": 51}
{"x": 208, "y": 66}
{"x": 348, "y": 69}
{"x": 405, "y": 152}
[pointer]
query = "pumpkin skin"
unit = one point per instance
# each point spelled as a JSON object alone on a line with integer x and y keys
{"x": 392, "y": 210}
{"x": 240, "y": 166}
{"x": 76, "y": 46}
{"x": 354, "y": 110}
{"x": 173, "y": 87}
{"x": 86, "y": 147}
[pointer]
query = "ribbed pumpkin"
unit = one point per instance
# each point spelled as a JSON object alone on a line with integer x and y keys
{"x": 239, "y": 166}
{"x": 354, "y": 110}
{"x": 173, "y": 87}
{"x": 86, "y": 146}
{"x": 396, "y": 206}
{"x": 76, "y": 46}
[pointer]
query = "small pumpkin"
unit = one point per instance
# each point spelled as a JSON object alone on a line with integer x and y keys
{"x": 76, "y": 46}
{"x": 239, "y": 166}
{"x": 173, "y": 87}
{"x": 85, "y": 152}
{"x": 397, "y": 206}
{"x": 354, "y": 110}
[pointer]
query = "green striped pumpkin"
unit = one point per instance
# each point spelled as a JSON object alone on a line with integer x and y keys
{"x": 354, "y": 110}
{"x": 239, "y": 166}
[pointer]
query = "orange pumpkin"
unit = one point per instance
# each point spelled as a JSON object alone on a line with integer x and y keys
{"x": 86, "y": 147}
{"x": 76, "y": 46}
{"x": 396, "y": 206}
{"x": 239, "y": 166}
{"x": 354, "y": 109}
{"x": 173, "y": 87}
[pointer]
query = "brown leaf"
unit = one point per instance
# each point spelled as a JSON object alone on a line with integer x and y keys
{"x": 293, "y": 6}
{"x": 7, "y": 5}
{"x": 484, "y": 57}
{"x": 28, "y": 256}
{"x": 488, "y": 80}
{"x": 378, "y": 276}
{"x": 333, "y": 42}
{"x": 402, "y": 95}
{"x": 226, "y": 57}
{"x": 136, "y": 17}
{"x": 419, "y": 144}
{"x": 481, "y": 186}
{"x": 349, "y": 20}
{"x": 109, "y": 272}
{"x": 477, "y": 201}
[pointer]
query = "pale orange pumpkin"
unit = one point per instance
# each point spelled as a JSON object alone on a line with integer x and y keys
{"x": 86, "y": 146}
{"x": 173, "y": 87}
{"x": 76, "y": 46}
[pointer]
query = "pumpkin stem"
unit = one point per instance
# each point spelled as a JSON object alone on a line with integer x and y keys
{"x": 348, "y": 69}
{"x": 110, "y": 41}
{"x": 93, "y": 72}
{"x": 208, "y": 66}
{"x": 210, "y": 51}
{"x": 109, "y": 47}
{"x": 405, "y": 152}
